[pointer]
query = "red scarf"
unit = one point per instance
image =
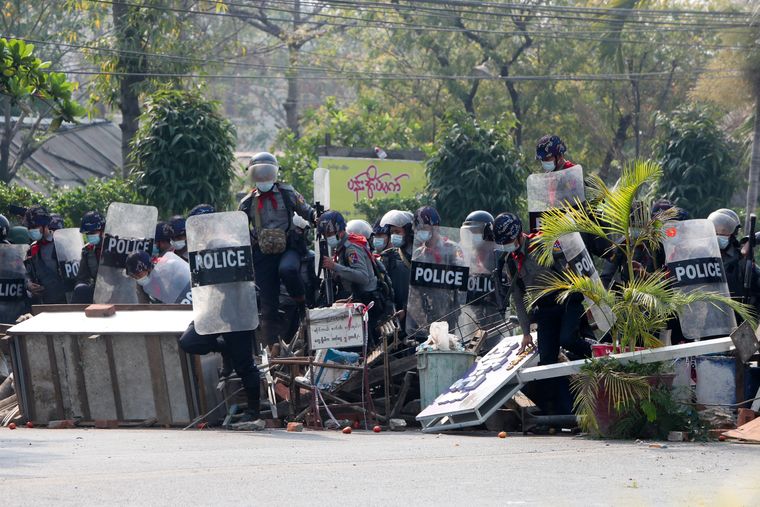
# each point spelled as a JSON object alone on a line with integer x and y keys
{"x": 266, "y": 195}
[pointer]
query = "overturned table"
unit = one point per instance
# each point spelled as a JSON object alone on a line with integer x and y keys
{"x": 127, "y": 367}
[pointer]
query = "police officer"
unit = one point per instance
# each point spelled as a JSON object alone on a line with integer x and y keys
{"x": 484, "y": 308}
{"x": 398, "y": 257}
{"x": 139, "y": 266}
{"x": 354, "y": 264}
{"x": 727, "y": 225}
{"x": 277, "y": 248}
{"x": 92, "y": 225}
{"x": 179, "y": 236}
{"x": 163, "y": 239}
{"x": 46, "y": 283}
{"x": 380, "y": 237}
{"x": 550, "y": 151}
{"x": 360, "y": 227}
{"x": 56, "y": 222}
{"x": 558, "y": 324}
{"x": 5, "y": 229}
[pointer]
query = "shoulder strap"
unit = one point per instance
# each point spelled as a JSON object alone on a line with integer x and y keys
{"x": 289, "y": 206}
{"x": 256, "y": 213}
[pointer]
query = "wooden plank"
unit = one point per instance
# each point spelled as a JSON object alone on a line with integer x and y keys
{"x": 79, "y": 377}
{"x": 55, "y": 377}
{"x": 161, "y": 400}
{"x": 196, "y": 408}
{"x": 114, "y": 378}
{"x": 37, "y": 309}
{"x": 180, "y": 407}
{"x": 97, "y": 372}
{"x": 749, "y": 432}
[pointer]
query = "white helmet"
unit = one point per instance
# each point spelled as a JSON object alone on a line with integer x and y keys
{"x": 360, "y": 227}
{"x": 726, "y": 221}
{"x": 396, "y": 218}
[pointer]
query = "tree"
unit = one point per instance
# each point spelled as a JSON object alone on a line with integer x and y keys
{"x": 183, "y": 152}
{"x": 29, "y": 92}
{"x": 698, "y": 161}
{"x": 476, "y": 167}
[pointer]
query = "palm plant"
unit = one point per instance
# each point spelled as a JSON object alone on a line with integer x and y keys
{"x": 641, "y": 304}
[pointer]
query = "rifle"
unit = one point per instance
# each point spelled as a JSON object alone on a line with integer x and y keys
{"x": 324, "y": 252}
{"x": 750, "y": 265}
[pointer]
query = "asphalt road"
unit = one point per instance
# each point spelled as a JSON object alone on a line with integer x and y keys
{"x": 210, "y": 467}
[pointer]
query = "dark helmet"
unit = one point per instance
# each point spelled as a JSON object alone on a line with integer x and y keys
{"x": 92, "y": 221}
{"x": 664, "y": 205}
{"x": 177, "y": 223}
{"x": 137, "y": 262}
{"x": 19, "y": 235}
{"x": 479, "y": 217}
{"x": 163, "y": 231}
{"x": 330, "y": 222}
{"x": 36, "y": 216}
{"x": 380, "y": 229}
{"x": 202, "y": 209}
{"x": 5, "y": 227}
{"x": 505, "y": 229}
{"x": 426, "y": 215}
{"x": 263, "y": 167}
{"x": 56, "y": 222}
{"x": 550, "y": 146}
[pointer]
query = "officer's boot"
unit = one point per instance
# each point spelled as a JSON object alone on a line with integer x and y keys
{"x": 251, "y": 418}
{"x": 301, "y": 308}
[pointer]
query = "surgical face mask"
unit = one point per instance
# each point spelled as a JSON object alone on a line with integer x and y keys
{"x": 423, "y": 235}
{"x": 179, "y": 244}
{"x": 379, "y": 243}
{"x": 548, "y": 166}
{"x": 333, "y": 241}
{"x": 723, "y": 242}
{"x": 508, "y": 248}
{"x": 142, "y": 282}
{"x": 264, "y": 186}
{"x": 35, "y": 234}
{"x": 155, "y": 252}
{"x": 397, "y": 240}
{"x": 93, "y": 239}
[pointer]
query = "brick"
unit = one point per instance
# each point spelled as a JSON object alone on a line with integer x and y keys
{"x": 62, "y": 424}
{"x": 295, "y": 426}
{"x": 745, "y": 416}
{"x": 100, "y": 310}
{"x": 106, "y": 424}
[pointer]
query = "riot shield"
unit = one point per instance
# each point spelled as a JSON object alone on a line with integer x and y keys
{"x": 221, "y": 268}
{"x": 170, "y": 280}
{"x": 480, "y": 310}
{"x": 438, "y": 282}
{"x": 12, "y": 282}
{"x": 557, "y": 189}
{"x": 579, "y": 260}
{"x": 692, "y": 256}
{"x": 129, "y": 228}
{"x": 68, "y": 249}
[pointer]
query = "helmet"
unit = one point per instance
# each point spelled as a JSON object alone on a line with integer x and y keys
{"x": 505, "y": 228}
{"x": 298, "y": 221}
{"x": 380, "y": 229}
{"x": 726, "y": 222}
{"x": 91, "y": 221}
{"x": 56, "y": 222}
{"x": 664, "y": 205}
{"x": 263, "y": 167}
{"x": 550, "y": 146}
{"x": 5, "y": 227}
{"x": 36, "y": 216}
{"x": 19, "y": 235}
{"x": 330, "y": 222}
{"x": 164, "y": 231}
{"x": 396, "y": 218}
{"x": 479, "y": 217}
{"x": 360, "y": 227}
{"x": 202, "y": 209}
{"x": 137, "y": 262}
{"x": 426, "y": 215}
{"x": 177, "y": 223}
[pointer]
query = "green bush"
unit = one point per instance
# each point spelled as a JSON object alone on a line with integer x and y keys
{"x": 376, "y": 208}
{"x": 19, "y": 196}
{"x": 95, "y": 195}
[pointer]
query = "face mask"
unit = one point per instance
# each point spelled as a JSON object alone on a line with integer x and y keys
{"x": 723, "y": 242}
{"x": 423, "y": 235}
{"x": 35, "y": 234}
{"x": 93, "y": 239}
{"x": 477, "y": 240}
{"x": 155, "y": 252}
{"x": 333, "y": 241}
{"x": 548, "y": 166}
{"x": 179, "y": 244}
{"x": 142, "y": 282}
{"x": 508, "y": 248}
{"x": 264, "y": 186}
{"x": 397, "y": 240}
{"x": 378, "y": 243}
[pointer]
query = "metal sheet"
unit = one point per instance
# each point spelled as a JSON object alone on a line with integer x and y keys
{"x": 135, "y": 322}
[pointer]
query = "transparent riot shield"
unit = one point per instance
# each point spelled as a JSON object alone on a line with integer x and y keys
{"x": 480, "y": 310}
{"x": 438, "y": 282}
{"x": 557, "y": 189}
{"x": 129, "y": 228}
{"x": 170, "y": 280}
{"x": 579, "y": 260}
{"x": 221, "y": 268}
{"x": 12, "y": 282}
{"x": 68, "y": 249}
{"x": 692, "y": 256}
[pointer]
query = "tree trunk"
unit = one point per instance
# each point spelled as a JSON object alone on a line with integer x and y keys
{"x": 516, "y": 108}
{"x": 621, "y": 134}
{"x": 291, "y": 102}
{"x": 754, "y": 166}
{"x": 5, "y": 143}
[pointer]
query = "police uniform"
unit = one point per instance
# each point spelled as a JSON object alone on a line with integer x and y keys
{"x": 735, "y": 265}
{"x": 275, "y": 211}
{"x": 42, "y": 265}
{"x": 88, "y": 273}
{"x": 398, "y": 263}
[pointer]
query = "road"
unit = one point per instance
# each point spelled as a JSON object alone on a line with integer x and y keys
{"x": 210, "y": 467}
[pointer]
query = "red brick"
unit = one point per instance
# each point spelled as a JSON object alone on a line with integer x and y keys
{"x": 745, "y": 416}
{"x": 62, "y": 424}
{"x": 295, "y": 426}
{"x": 100, "y": 310}
{"x": 106, "y": 424}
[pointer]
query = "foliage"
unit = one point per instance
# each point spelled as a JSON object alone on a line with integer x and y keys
{"x": 376, "y": 208}
{"x": 476, "y": 167}
{"x": 27, "y": 87}
{"x": 17, "y": 195}
{"x": 699, "y": 161}
{"x": 95, "y": 195}
{"x": 183, "y": 152}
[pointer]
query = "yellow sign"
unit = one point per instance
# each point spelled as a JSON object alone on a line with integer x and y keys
{"x": 357, "y": 179}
